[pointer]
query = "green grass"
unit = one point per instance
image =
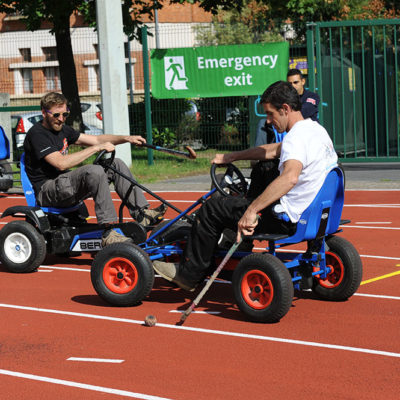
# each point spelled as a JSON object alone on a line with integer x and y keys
{"x": 167, "y": 166}
{"x": 170, "y": 167}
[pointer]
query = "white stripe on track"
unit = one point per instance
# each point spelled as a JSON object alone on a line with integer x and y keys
{"x": 80, "y": 385}
{"x": 98, "y": 360}
{"x": 377, "y": 296}
{"x": 373, "y": 205}
{"x": 212, "y": 331}
{"x": 371, "y": 227}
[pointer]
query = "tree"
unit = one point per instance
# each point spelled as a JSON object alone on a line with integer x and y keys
{"x": 57, "y": 14}
{"x": 247, "y": 25}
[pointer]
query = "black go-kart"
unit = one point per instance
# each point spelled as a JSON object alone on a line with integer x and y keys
{"x": 122, "y": 273}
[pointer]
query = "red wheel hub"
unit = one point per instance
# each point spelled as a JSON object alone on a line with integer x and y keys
{"x": 257, "y": 289}
{"x": 120, "y": 275}
{"x": 335, "y": 276}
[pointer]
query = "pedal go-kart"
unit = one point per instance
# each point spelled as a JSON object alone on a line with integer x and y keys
{"x": 263, "y": 283}
{"x": 122, "y": 274}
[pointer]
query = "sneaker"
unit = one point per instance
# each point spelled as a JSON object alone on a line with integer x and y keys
{"x": 169, "y": 271}
{"x": 152, "y": 216}
{"x": 111, "y": 236}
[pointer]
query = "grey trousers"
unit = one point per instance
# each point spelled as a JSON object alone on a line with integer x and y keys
{"x": 92, "y": 181}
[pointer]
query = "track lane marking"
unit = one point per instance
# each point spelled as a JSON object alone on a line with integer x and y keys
{"x": 378, "y": 278}
{"x": 372, "y": 227}
{"x": 99, "y": 360}
{"x": 377, "y": 296}
{"x": 211, "y": 331}
{"x": 81, "y": 385}
{"x": 196, "y": 312}
{"x": 373, "y": 222}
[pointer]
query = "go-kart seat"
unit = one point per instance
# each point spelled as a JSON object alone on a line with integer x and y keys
{"x": 321, "y": 217}
{"x": 31, "y": 198}
{"x": 4, "y": 145}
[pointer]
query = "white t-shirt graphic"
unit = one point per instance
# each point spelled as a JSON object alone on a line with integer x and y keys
{"x": 309, "y": 143}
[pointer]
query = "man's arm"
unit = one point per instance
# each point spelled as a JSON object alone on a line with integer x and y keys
{"x": 65, "y": 162}
{"x": 91, "y": 140}
{"x": 264, "y": 152}
{"x": 273, "y": 192}
{"x": 94, "y": 143}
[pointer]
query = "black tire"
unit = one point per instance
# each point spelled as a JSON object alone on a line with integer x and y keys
{"x": 179, "y": 231}
{"x": 6, "y": 176}
{"x": 22, "y": 247}
{"x": 346, "y": 274}
{"x": 122, "y": 274}
{"x": 268, "y": 275}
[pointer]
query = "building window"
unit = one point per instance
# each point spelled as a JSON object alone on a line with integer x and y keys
{"x": 27, "y": 81}
{"x": 96, "y": 49}
{"x": 50, "y": 53}
{"x": 51, "y": 75}
{"x": 26, "y": 54}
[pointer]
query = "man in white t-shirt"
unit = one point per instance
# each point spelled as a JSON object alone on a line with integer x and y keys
{"x": 306, "y": 156}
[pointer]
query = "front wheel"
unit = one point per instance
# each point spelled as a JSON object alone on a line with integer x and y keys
{"x": 262, "y": 287}
{"x": 345, "y": 274}
{"x": 122, "y": 274}
{"x": 22, "y": 247}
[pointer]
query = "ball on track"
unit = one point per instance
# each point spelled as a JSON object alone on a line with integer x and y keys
{"x": 150, "y": 320}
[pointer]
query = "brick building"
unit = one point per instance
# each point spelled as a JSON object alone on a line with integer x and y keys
{"x": 29, "y": 64}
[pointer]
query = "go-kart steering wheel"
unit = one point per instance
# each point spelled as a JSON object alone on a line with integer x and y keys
{"x": 233, "y": 183}
{"x": 104, "y": 158}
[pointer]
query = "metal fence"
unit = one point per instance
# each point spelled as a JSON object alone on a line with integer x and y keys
{"x": 357, "y": 76}
{"x": 355, "y": 73}
{"x": 29, "y": 68}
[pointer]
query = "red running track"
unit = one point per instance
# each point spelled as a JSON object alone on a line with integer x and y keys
{"x": 58, "y": 339}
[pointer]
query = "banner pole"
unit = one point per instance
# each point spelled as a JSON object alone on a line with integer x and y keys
{"x": 147, "y": 103}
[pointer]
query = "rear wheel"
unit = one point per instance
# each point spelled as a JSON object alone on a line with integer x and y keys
{"x": 22, "y": 248}
{"x": 122, "y": 274}
{"x": 262, "y": 287}
{"x": 345, "y": 274}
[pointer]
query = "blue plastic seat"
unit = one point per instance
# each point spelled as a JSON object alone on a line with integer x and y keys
{"x": 322, "y": 216}
{"x": 4, "y": 145}
{"x": 31, "y": 198}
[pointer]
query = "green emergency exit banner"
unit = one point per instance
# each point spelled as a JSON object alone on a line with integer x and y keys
{"x": 235, "y": 70}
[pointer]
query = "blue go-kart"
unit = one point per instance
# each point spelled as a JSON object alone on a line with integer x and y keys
{"x": 263, "y": 282}
{"x": 122, "y": 274}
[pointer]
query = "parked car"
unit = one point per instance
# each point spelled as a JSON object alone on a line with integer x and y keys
{"x": 21, "y": 123}
{"x": 92, "y": 114}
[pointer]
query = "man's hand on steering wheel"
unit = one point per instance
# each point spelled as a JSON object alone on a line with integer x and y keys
{"x": 223, "y": 159}
{"x": 107, "y": 146}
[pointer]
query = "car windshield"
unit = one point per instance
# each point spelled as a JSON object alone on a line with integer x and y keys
{"x": 35, "y": 118}
{"x": 85, "y": 107}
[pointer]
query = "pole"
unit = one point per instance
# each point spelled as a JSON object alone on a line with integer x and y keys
{"x": 147, "y": 103}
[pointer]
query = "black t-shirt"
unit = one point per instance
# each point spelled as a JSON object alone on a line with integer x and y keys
{"x": 309, "y": 105}
{"x": 40, "y": 142}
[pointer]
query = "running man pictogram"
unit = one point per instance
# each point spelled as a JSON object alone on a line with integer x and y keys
{"x": 175, "y": 76}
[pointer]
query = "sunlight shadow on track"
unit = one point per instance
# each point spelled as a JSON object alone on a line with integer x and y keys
{"x": 91, "y": 300}
{"x": 57, "y": 260}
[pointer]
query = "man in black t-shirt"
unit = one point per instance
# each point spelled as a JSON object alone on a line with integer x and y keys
{"x": 309, "y": 100}
{"x": 48, "y": 166}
